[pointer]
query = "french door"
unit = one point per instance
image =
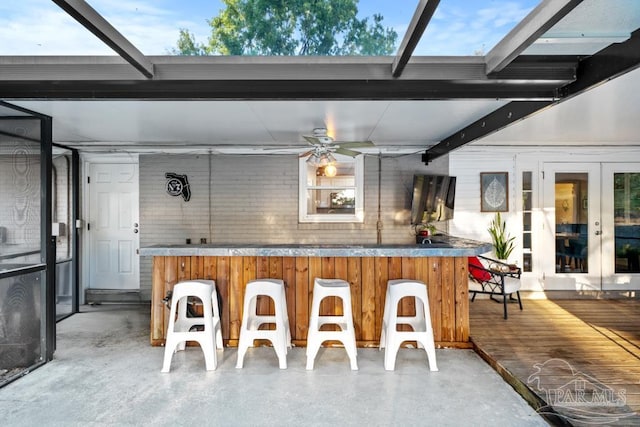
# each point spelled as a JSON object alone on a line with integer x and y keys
{"x": 591, "y": 226}
{"x": 621, "y": 237}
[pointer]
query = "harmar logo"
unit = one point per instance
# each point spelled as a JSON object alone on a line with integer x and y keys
{"x": 576, "y": 396}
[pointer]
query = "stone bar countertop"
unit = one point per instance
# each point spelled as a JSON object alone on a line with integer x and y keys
{"x": 437, "y": 246}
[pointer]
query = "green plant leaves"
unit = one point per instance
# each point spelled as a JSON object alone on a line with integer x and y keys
{"x": 502, "y": 242}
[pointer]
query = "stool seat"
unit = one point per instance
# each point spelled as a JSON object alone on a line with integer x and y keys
{"x": 323, "y": 288}
{"x": 180, "y": 326}
{"x": 422, "y": 333}
{"x": 280, "y": 337}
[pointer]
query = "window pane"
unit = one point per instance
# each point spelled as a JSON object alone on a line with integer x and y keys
{"x": 626, "y": 200}
{"x": 526, "y": 181}
{"x": 571, "y": 222}
{"x": 331, "y": 192}
{"x": 526, "y": 221}
{"x": 332, "y": 201}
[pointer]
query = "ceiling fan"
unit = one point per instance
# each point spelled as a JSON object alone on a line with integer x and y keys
{"x": 324, "y": 146}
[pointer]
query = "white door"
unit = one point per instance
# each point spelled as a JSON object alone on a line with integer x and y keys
{"x": 113, "y": 226}
{"x": 592, "y": 226}
{"x": 572, "y": 226}
{"x": 621, "y": 226}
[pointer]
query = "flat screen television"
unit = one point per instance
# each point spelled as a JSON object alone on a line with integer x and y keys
{"x": 433, "y": 198}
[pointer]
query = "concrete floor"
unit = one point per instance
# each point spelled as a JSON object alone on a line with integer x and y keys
{"x": 106, "y": 373}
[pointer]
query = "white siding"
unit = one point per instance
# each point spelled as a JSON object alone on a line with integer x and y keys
{"x": 254, "y": 199}
{"x": 467, "y": 164}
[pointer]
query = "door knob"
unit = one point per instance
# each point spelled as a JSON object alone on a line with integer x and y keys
{"x": 135, "y": 230}
{"x": 598, "y": 233}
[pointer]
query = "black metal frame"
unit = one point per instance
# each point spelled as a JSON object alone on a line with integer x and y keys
{"x": 75, "y": 216}
{"x": 498, "y": 271}
{"x": 502, "y": 74}
{"x": 46, "y": 135}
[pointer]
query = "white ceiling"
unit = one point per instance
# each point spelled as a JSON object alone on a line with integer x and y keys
{"x": 238, "y": 125}
{"x": 604, "y": 115}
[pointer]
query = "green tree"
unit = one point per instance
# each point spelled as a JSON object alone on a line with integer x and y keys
{"x": 291, "y": 27}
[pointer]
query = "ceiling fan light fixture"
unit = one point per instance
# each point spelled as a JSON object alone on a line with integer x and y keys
{"x": 324, "y": 160}
{"x": 330, "y": 170}
{"x": 313, "y": 160}
{"x": 331, "y": 158}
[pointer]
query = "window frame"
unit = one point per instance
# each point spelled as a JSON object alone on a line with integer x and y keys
{"x": 304, "y": 187}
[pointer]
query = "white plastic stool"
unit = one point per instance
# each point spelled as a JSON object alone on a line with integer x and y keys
{"x": 280, "y": 337}
{"x": 323, "y": 288}
{"x": 391, "y": 338}
{"x": 179, "y": 330}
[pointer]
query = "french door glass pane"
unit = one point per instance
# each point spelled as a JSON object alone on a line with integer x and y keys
{"x": 572, "y": 217}
{"x": 527, "y": 195}
{"x": 626, "y": 199}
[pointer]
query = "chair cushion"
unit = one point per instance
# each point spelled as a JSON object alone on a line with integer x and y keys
{"x": 511, "y": 284}
{"x": 480, "y": 274}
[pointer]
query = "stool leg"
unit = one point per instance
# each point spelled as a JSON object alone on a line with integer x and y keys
{"x": 352, "y": 353}
{"x": 313, "y": 343}
{"x": 286, "y": 318}
{"x": 385, "y": 321}
{"x": 243, "y": 343}
{"x": 390, "y": 353}
{"x": 431, "y": 353}
{"x": 428, "y": 344}
{"x": 350, "y": 345}
{"x": 279, "y": 341}
{"x": 419, "y": 320}
{"x": 217, "y": 327}
{"x": 169, "y": 349}
{"x": 170, "y": 342}
{"x": 313, "y": 339}
{"x": 392, "y": 346}
{"x": 178, "y": 325}
{"x": 280, "y": 346}
{"x": 208, "y": 343}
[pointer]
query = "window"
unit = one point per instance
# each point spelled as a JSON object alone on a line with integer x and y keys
{"x": 332, "y": 197}
{"x": 527, "y": 212}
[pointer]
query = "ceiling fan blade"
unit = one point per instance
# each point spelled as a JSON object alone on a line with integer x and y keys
{"x": 346, "y": 152}
{"x": 355, "y": 144}
{"x": 311, "y": 139}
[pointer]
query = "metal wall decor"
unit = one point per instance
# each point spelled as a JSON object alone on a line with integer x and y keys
{"x": 494, "y": 191}
{"x": 178, "y": 185}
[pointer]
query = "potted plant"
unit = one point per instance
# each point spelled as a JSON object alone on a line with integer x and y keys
{"x": 502, "y": 241}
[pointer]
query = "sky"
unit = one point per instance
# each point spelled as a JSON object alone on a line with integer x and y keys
{"x": 40, "y": 27}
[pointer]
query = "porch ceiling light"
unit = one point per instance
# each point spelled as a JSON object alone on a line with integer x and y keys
{"x": 330, "y": 170}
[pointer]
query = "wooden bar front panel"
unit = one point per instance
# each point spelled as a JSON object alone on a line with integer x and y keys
{"x": 446, "y": 279}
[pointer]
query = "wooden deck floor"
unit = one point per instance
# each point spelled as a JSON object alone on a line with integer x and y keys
{"x": 577, "y": 359}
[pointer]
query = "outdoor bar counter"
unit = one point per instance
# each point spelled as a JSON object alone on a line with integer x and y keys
{"x": 442, "y": 265}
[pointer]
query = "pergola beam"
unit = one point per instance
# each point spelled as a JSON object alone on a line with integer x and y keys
{"x": 611, "y": 62}
{"x": 534, "y": 25}
{"x": 492, "y": 122}
{"x": 187, "y": 77}
{"x": 94, "y": 22}
{"x": 418, "y": 24}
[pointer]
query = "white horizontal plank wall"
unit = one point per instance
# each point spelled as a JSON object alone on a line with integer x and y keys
{"x": 466, "y": 165}
{"x": 254, "y": 199}
{"x": 468, "y": 162}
